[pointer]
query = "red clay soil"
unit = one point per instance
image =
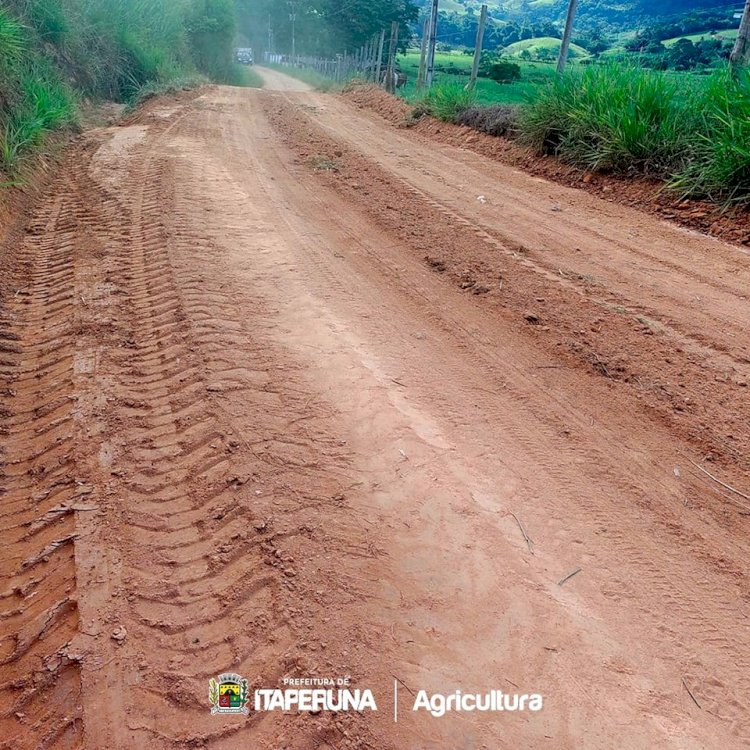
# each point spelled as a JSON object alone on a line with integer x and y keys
{"x": 731, "y": 225}
{"x": 291, "y": 393}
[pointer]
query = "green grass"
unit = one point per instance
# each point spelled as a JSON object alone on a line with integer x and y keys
{"x": 612, "y": 118}
{"x": 533, "y": 75}
{"x": 692, "y": 131}
{"x": 53, "y": 52}
{"x": 445, "y": 100}
{"x": 12, "y": 42}
{"x": 548, "y": 44}
{"x": 719, "y": 167}
{"x": 726, "y": 34}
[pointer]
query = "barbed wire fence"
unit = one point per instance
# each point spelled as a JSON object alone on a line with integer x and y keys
{"x": 374, "y": 61}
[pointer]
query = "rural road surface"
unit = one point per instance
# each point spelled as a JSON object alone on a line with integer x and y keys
{"x": 288, "y": 391}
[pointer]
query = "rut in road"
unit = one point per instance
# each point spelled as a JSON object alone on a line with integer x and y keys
{"x": 167, "y": 439}
{"x": 38, "y": 485}
{"x": 268, "y": 435}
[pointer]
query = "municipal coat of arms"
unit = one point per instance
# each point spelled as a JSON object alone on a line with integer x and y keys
{"x": 228, "y": 694}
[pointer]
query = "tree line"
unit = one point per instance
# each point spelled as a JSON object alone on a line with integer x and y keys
{"x": 319, "y": 27}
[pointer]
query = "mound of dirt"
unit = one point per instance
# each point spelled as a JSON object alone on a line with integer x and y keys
{"x": 369, "y": 96}
{"x": 645, "y": 194}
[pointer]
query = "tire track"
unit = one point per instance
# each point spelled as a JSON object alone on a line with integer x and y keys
{"x": 39, "y": 489}
{"x": 207, "y": 490}
{"x": 531, "y": 429}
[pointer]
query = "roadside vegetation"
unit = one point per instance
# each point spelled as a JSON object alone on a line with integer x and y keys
{"x": 620, "y": 119}
{"x": 56, "y": 53}
{"x": 653, "y": 98}
{"x": 455, "y": 68}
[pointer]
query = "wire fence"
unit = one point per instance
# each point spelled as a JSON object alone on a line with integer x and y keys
{"x": 371, "y": 62}
{"x": 341, "y": 69}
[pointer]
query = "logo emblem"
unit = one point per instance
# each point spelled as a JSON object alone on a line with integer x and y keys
{"x": 228, "y": 694}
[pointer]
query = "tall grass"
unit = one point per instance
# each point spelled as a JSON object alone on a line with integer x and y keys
{"x": 446, "y": 101}
{"x": 622, "y": 119}
{"x": 11, "y": 38}
{"x": 720, "y": 166}
{"x": 613, "y": 118}
{"x": 53, "y": 51}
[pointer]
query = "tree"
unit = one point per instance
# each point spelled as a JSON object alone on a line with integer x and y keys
{"x": 211, "y": 29}
{"x": 323, "y": 27}
{"x": 683, "y": 55}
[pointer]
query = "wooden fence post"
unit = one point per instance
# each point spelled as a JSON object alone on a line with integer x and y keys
{"x": 423, "y": 51}
{"x": 431, "y": 46}
{"x": 567, "y": 34}
{"x": 478, "y": 48}
{"x": 390, "y": 70}
{"x": 379, "y": 65}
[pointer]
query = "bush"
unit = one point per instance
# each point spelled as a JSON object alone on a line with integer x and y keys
{"x": 504, "y": 71}
{"x": 614, "y": 118}
{"x": 498, "y": 119}
{"x": 446, "y": 101}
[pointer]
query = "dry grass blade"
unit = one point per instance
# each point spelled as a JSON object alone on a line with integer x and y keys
{"x": 527, "y": 538}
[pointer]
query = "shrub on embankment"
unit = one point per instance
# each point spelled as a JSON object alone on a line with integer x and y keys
{"x": 613, "y": 119}
{"x": 446, "y": 101}
{"x": 55, "y": 52}
{"x": 694, "y": 133}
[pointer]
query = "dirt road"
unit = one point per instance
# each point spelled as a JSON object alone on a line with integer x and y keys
{"x": 288, "y": 391}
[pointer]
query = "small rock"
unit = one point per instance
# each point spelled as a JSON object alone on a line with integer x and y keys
{"x": 119, "y": 634}
{"x": 530, "y": 317}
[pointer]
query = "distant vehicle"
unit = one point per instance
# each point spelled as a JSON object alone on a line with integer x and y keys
{"x": 244, "y": 56}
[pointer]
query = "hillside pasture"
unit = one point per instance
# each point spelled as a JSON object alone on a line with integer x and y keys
{"x": 545, "y": 45}
{"x": 456, "y": 68}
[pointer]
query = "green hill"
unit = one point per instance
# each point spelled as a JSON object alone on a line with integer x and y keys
{"x": 729, "y": 34}
{"x": 623, "y": 13}
{"x": 545, "y": 46}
